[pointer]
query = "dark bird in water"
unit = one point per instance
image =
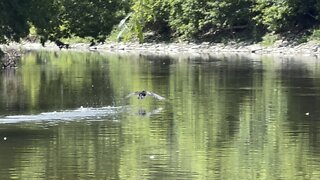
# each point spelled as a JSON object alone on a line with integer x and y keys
{"x": 143, "y": 94}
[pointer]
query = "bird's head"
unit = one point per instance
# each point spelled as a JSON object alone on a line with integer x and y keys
{"x": 142, "y": 94}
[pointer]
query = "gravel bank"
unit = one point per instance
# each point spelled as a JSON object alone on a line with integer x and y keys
{"x": 280, "y": 47}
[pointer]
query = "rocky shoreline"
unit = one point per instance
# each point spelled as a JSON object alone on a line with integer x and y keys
{"x": 280, "y": 47}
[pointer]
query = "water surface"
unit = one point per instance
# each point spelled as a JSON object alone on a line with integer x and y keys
{"x": 64, "y": 115}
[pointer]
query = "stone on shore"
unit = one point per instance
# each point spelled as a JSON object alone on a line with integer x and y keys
{"x": 280, "y": 47}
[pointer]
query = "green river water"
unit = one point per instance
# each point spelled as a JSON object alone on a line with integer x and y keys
{"x": 65, "y": 115}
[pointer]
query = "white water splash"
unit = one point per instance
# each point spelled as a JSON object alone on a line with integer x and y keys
{"x": 77, "y": 114}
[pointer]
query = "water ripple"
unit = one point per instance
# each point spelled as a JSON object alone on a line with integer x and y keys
{"x": 76, "y": 114}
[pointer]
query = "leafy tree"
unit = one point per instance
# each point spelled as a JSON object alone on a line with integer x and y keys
{"x": 158, "y": 20}
{"x": 185, "y": 19}
{"x": 272, "y": 14}
{"x": 48, "y": 18}
{"x": 17, "y": 16}
{"x": 146, "y": 15}
{"x": 226, "y": 16}
{"x": 192, "y": 19}
{"x": 91, "y": 18}
{"x": 304, "y": 14}
{"x": 13, "y": 20}
{"x": 185, "y": 16}
{"x": 283, "y": 15}
{"x": 142, "y": 14}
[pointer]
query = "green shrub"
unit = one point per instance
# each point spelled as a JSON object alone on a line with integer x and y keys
{"x": 76, "y": 39}
{"x": 269, "y": 39}
{"x": 315, "y": 35}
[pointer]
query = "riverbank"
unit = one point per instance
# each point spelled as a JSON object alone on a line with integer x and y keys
{"x": 280, "y": 47}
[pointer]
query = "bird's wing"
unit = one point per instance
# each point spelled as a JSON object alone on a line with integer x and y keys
{"x": 131, "y": 94}
{"x": 155, "y": 96}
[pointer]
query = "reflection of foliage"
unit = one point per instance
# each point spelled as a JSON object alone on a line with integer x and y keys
{"x": 227, "y": 117}
{"x": 65, "y": 74}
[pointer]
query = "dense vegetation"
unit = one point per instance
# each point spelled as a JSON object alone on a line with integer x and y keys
{"x": 143, "y": 20}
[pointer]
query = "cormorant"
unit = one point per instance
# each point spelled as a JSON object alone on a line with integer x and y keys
{"x": 143, "y": 94}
